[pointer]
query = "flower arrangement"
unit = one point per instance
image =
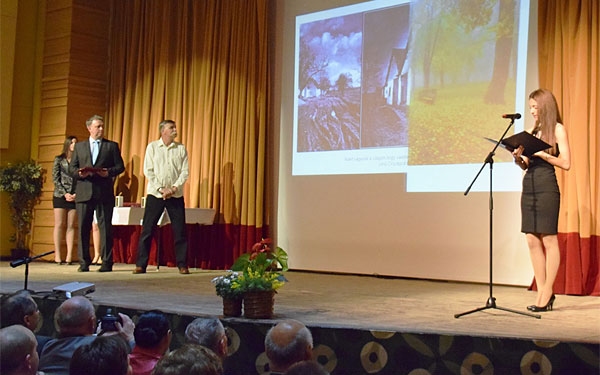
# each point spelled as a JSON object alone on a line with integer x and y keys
{"x": 225, "y": 286}
{"x": 258, "y": 269}
{"x": 23, "y": 181}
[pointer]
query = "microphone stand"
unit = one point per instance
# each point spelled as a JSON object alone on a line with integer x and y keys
{"x": 26, "y": 261}
{"x": 491, "y": 302}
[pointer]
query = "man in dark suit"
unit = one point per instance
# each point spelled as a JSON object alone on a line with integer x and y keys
{"x": 94, "y": 164}
{"x": 76, "y": 324}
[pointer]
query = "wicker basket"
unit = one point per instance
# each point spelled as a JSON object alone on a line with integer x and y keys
{"x": 232, "y": 306}
{"x": 259, "y": 305}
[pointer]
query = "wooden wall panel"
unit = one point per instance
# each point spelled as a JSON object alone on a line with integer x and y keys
{"x": 93, "y": 72}
{"x": 58, "y": 4}
{"x": 52, "y": 140}
{"x": 74, "y": 82}
{"x": 53, "y": 120}
{"x": 47, "y": 153}
{"x": 58, "y": 48}
{"x": 58, "y": 101}
{"x": 58, "y": 22}
{"x": 47, "y": 196}
{"x": 48, "y": 187}
{"x": 54, "y": 85}
{"x": 55, "y": 71}
{"x": 41, "y": 248}
{"x": 44, "y": 233}
{"x": 89, "y": 86}
{"x": 85, "y": 44}
{"x": 46, "y": 216}
{"x": 86, "y": 111}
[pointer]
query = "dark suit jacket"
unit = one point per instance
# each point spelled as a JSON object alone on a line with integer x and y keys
{"x": 96, "y": 187}
{"x": 57, "y": 353}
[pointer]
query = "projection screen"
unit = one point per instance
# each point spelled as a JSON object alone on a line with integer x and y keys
{"x": 389, "y": 110}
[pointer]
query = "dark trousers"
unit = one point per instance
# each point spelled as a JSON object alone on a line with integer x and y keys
{"x": 85, "y": 216}
{"x": 154, "y": 208}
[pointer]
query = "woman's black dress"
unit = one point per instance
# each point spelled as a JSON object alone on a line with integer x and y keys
{"x": 540, "y": 200}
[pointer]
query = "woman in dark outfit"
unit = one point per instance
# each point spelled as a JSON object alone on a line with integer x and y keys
{"x": 63, "y": 201}
{"x": 540, "y": 199}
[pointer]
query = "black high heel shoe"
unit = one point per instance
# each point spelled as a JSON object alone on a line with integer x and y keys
{"x": 548, "y": 306}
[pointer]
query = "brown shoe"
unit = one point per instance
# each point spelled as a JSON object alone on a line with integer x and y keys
{"x": 184, "y": 271}
{"x": 138, "y": 270}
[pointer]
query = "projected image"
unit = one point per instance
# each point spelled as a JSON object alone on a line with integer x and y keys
{"x": 390, "y": 86}
{"x": 353, "y": 94}
{"x": 463, "y": 69}
{"x": 385, "y": 89}
{"x": 329, "y": 84}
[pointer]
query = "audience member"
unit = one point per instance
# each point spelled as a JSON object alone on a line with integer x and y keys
{"x": 190, "y": 359}
{"x": 20, "y": 308}
{"x": 286, "y": 343}
{"x": 18, "y": 351}
{"x": 105, "y": 355}
{"x": 208, "y": 332}
{"x": 75, "y": 321}
{"x": 306, "y": 368}
{"x": 152, "y": 339}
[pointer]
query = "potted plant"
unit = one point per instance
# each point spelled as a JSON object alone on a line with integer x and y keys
{"x": 229, "y": 291}
{"x": 23, "y": 181}
{"x": 260, "y": 275}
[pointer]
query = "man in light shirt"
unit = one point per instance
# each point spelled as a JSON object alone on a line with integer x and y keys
{"x": 166, "y": 168}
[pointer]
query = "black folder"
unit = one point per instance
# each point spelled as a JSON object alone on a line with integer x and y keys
{"x": 528, "y": 141}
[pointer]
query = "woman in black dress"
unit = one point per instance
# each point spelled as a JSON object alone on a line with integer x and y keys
{"x": 540, "y": 199}
{"x": 63, "y": 201}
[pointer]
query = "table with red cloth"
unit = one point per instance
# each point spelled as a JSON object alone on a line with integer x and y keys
{"x": 127, "y": 227}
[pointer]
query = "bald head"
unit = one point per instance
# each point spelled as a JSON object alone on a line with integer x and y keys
{"x": 75, "y": 317}
{"x": 286, "y": 343}
{"x": 18, "y": 353}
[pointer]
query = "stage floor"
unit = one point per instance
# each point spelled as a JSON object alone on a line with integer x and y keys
{"x": 337, "y": 301}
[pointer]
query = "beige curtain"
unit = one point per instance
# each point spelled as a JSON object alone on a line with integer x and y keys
{"x": 569, "y": 50}
{"x": 202, "y": 64}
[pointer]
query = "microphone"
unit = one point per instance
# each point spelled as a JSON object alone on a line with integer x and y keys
{"x": 512, "y": 116}
{"x": 18, "y": 262}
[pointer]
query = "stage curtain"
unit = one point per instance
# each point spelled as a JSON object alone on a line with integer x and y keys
{"x": 569, "y": 65}
{"x": 202, "y": 64}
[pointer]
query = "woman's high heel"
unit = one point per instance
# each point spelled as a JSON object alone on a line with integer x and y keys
{"x": 548, "y": 306}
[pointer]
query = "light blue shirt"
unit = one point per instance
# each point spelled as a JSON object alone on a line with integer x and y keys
{"x": 92, "y": 146}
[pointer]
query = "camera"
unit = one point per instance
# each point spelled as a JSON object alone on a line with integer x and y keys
{"x": 108, "y": 321}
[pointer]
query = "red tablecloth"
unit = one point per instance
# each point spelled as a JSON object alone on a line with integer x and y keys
{"x": 126, "y": 237}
